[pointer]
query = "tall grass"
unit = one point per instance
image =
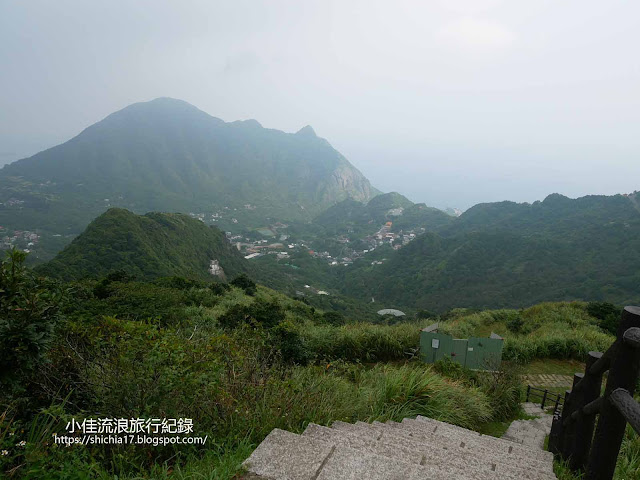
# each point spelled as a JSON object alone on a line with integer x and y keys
{"x": 362, "y": 341}
{"x": 549, "y": 330}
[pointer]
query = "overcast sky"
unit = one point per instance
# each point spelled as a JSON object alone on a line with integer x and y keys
{"x": 451, "y": 102}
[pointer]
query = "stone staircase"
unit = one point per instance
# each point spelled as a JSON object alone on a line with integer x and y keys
{"x": 530, "y": 432}
{"x": 420, "y": 448}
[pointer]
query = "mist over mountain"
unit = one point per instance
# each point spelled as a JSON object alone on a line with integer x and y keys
{"x": 167, "y": 155}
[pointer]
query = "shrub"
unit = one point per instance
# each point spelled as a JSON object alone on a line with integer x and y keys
{"x": 267, "y": 314}
{"x": 608, "y": 315}
{"x": 515, "y": 324}
{"x": 243, "y": 282}
{"x": 333, "y": 318}
{"x": 29, "y": 311}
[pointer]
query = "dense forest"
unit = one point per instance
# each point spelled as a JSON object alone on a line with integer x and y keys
{"x": 146, "y": 246}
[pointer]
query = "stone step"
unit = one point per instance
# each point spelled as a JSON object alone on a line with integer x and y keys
{"x": 474, "y": 437}
{"x": 404, "y": 452}
{"x": 282, "y": 455}
{"x": 288, "y": 456}
{"x": 483, "y": 444}
{"x": 409, "y": 433}
{"x": 456, "y": 463}
{"x": 529, "y": 433}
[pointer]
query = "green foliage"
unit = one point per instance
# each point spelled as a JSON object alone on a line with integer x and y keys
{"x": 258, "y": 314}
{"x": 29, "y": 312}
{"x": 245, "y": 283}
{"x": 239, "y": 365}
{"x": 362, "y": 342}
{"x": 120, "y": 245}
{"x": 503, "y": 387}
{"x": 515, "y": 324}
{"x": 547, "y": 330}
{"x": 608, "y": 315}
{"x": 333, "y": 318}
{"x": 506, "y": 255}
{"x": 166, "y": 155}
{"x": 424, "y": 314}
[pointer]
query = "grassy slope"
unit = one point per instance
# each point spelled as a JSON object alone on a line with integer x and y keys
{"x": 548, "y": 330}
{"x": 180, "y": 360}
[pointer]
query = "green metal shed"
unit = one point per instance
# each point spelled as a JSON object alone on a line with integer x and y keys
{"x": 475, "y": 352}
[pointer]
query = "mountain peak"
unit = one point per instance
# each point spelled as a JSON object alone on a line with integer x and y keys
{"x": 307, "y": 131}
{"x": 250, "y": 123}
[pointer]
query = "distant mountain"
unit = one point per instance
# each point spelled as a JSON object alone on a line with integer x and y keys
{"x": 556, "y": 214}
{"x": 147, "y": 246}
{"x": 358, "y": 217}
{"x": 513, "y": 255}
{"x": 166, "y": 155}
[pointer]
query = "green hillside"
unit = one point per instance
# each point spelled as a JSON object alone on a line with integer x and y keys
{"x": 507, "y": 255}
{"x": 146, "y": 246}
{"x": 555, "y": 215}
{"x": 238, "y": 362}
{"x": 166, "y": 155}
{"x": 358, "y": 218}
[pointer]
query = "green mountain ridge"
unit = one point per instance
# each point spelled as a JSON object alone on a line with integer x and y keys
{"x": 146, "y": 246}
{"x": 513, "y": 255}
{"x": 167, "y": 155}
{"x": 359, "y": 217}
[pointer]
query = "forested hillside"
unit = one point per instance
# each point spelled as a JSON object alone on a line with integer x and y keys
{"x": 146, "y": 247}
{"x": 166, "y": 155}
{"x": 511, "y": 255}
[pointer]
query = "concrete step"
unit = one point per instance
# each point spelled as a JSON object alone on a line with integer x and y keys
{"x": 499, "y": 444}
{"x": 530, "y": 433}
{"x": 282, "y": 455}
{"x": 404, "y": 452}
{"x": 456, "y": 463}
{"x": 410, "y": 433}
{"x": 288, "y": 456}
{"x": 515, "y": 453}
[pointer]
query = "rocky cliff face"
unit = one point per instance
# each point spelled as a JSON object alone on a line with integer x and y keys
{"x": 347, "y": 182}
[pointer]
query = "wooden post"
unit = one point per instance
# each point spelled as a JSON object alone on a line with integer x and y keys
{"x": 528, "y": 392}
{"x": 544, "y": 399}
{"x": 623, "y": 373}
{"x": 556, "y": 436}
{"x": 585, "y": 424}
{"x": 569, "y": 431}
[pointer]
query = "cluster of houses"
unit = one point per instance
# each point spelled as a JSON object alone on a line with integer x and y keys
{"x": 280, "y": 244}
{"x": 274, "y": 240}
{"x": 22, "y": 239}
{"x": 386, "y": 236}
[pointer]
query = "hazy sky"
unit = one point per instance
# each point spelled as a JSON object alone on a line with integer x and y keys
{"x": 449, "y": 102}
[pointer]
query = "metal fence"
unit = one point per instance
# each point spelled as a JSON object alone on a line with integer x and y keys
{"x": 546, "y": 398}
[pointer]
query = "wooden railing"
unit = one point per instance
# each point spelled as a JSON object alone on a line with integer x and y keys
{"x": 546, "y": 398}
{"x": 572, "y": 433}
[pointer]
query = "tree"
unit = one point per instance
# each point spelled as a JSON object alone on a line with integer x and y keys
{"x": 29, "y": 311}
{"x": 245, "y": 283}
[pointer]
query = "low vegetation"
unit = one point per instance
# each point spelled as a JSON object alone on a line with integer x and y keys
{"x": 238, "y": 358}
{"x": 548, "y": 330}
